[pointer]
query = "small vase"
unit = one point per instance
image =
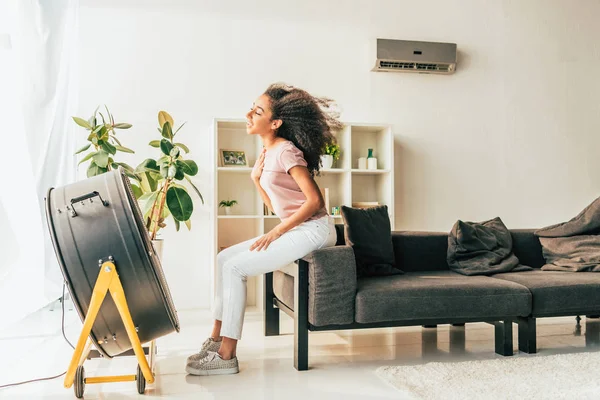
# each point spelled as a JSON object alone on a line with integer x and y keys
{"x": 362, "y": 163}
{"x": 227, "y": 210}
{"x": 327, "y": 161}
{"x": 371, "y": 161}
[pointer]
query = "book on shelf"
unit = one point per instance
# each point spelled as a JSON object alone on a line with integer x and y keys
{"x": 365, "y": 204}
{"x": 266, "y": 210}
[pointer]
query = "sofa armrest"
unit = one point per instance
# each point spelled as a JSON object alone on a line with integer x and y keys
{"x": 331, "y": 286}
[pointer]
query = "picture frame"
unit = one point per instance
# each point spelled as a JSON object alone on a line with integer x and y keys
{"x": 233, "y": 158}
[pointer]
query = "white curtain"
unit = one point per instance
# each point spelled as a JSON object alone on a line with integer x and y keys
{"x": 39, "y": 72}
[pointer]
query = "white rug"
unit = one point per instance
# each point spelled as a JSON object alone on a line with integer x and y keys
{"x": 526, "y": 376}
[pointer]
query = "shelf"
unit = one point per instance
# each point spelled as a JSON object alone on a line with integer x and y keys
{"x": 234, "y": 169}
{"x": 370, "y": 171}
{"x": 334, "y": 170}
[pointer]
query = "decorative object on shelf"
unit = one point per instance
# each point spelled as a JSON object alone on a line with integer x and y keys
{"x": 365, "y": 204}
{"x": 331, "y": 153}
{"x": 161, "y": 195}
{"x": 227, "y": 204}
{"x": 233, "y": 158}
{"x": 103, "y": 138}
{"x": 362, "y": 163}
{"x": 371, "y": 161}
{"x": 335, "y": 210}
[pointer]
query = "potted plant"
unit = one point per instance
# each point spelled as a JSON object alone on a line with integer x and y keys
{"x": 103, "y": 137}
{"x": 331, "y": 153}
{"x": 227, "y": 204}
{"x": 157, "y": 182}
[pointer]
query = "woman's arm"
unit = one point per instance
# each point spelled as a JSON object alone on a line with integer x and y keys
{"x": 314, "y": 200}
{"x": 255, "y": 176}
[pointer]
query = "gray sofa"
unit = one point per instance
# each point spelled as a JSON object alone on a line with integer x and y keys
{"x": 321, "y": 292}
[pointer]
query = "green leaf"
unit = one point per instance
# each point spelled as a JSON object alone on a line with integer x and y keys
{"x": 148, "y": 181}
{"x": 146, "y": 202}
{"x": 87, "y": 157}
{"x": 84, "y": 148}
{"x": 179, "y": 128}
{"x": 101, "y": 159}
{"x": 164, "y": 160}
{"x": 137, "y": 191}
{"x": 195, "y": 188}
{"x": 82, "y": 122}
{"x": 94, "y": 170}
{"x": 103, "y": 133}
{"x": 96, "y": 129}
{"x": 116, "y": 140}
{"x": 124, "y": 149}
{"x": 103, "y": 120}
{"x": 188, "y": 223}
{"x": 111, "y": 119}
{"x": 167, "y": 131}
{"x": 148, "y": 165}
{"x": 183, "y": 147}
{"x": 122, "y": 125}
{"x": 179, "y": 175}
{"x": 165, "y": 146}
{"x": 159, "y": 130}
{"x": 109, "y": 148}
{"x": 176, "y": 223}
{"x": 125, "y": 166}
{"x": 180, "y": 203}
{"x": 189, "y": 167}
{"x": 155, "y": 143}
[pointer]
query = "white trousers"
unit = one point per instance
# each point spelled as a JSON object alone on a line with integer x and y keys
{"x": 236, "y": 263}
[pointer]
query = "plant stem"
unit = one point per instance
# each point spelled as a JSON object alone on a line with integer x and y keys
{"x": 157, "y": 212}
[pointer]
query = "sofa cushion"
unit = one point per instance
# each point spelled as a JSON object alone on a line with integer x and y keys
{"x": 481, "y": 248}
{"x": 283, "y": 287}
{"x": 438, "y": 295}
{"x": 556, "y": 293}
{"x": 368, "y": 232}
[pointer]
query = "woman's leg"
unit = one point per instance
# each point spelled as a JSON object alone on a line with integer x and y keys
{"x": 291, "y": 246}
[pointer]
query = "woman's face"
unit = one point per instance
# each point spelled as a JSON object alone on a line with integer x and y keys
{"x": 258, "y": 119}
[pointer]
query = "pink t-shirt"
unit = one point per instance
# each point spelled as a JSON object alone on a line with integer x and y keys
{"x": 285, "y": 194}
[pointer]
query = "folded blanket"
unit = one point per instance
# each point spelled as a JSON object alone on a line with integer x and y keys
{"x": 573, "y": 245}
{"x": 481, "y": 248}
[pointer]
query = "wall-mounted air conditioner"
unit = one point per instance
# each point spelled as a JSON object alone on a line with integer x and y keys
{"x": 419, "y": 57}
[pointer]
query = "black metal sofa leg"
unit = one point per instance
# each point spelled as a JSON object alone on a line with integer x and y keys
{"x": 527, "y": 335}
{"x": 503, "y": 337}
{"x": 271, "y": 311}
{"x": 301, "y": 317}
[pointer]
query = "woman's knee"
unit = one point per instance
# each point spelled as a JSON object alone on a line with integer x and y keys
{"x": 234, "y": 268}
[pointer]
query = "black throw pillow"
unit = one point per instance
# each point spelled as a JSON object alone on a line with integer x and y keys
{"x": 368, "y": 232}
{"x": 482, "y": 248}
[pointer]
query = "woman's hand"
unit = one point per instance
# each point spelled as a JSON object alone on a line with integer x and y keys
{"x": 264, "y": 242}
{"x": 258, "y": 167}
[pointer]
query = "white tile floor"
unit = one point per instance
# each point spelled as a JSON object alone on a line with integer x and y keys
{"x": 342, "y": 363}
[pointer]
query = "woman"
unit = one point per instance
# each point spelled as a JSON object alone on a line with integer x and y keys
{"x": 294, "y": 127}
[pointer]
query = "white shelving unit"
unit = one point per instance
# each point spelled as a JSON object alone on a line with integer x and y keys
{"x": 346, "y": 183}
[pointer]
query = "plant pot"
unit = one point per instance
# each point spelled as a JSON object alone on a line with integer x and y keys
{"x": 158, "y": 247}
{"x": 327, "y": 161}
{"x": 227, "y": 210}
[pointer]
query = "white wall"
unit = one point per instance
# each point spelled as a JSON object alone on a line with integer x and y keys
{"x": 514, "y": 133}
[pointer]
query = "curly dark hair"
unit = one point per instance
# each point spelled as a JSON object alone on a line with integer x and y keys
{"x": 307, "y": 121}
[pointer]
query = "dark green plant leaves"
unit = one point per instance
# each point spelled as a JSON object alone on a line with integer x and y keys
{"x": 180, "y": 203}
{"x": 165, "y": 146}
{"x": 148, "y": 165}
{"x": 84, "y": 148}
{"x": 109, "y": 148}
{"x": 137, "y": 191}
{"x": 189, "y": 167}
{"x": 179, "y": 175}
{"x": 167, "y": 131}
{"x": 176, "y": 223}
{"x": 82, "y": 122}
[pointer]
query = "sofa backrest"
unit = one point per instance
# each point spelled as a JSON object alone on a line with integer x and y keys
{"x": 426, "y": 251}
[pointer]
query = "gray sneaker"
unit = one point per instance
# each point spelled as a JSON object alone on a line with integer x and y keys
{"x": 213, "y": 364}
{"x": 208, "y": 345}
